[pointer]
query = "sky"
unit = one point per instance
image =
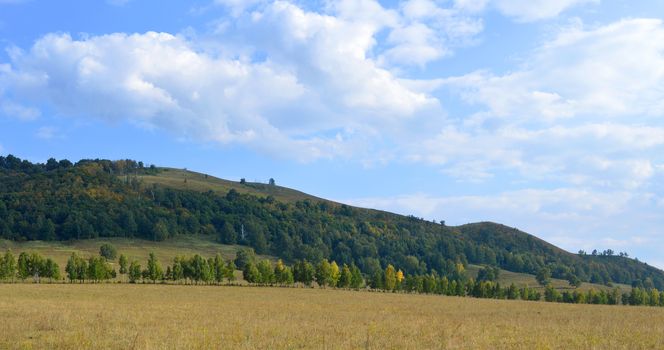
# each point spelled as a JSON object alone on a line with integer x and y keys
{"x": 547, "y": 116}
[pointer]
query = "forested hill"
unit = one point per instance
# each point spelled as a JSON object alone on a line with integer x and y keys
{"x": 60, "y": 200}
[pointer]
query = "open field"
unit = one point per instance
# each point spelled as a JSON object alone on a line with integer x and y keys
{"x": 113, "y": 316}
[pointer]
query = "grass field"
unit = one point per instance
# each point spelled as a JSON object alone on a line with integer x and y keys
{"x": 112, "y": 316}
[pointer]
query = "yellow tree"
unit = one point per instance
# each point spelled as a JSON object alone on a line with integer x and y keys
{"x": 390, "y": 278}
{"x": 400, "y": 278}
{"x": 334, "y": 274}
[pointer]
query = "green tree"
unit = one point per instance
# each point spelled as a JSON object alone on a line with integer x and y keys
{"x": 551, "y": 294}
{"x": 244, "y": 256}
{"x": 134, "y": 271}
{"x": 543, "y": 276}
{"x": 99, "y": 269}
{"x": 124, "y": 264}
{"x": 77, "y": 268}
{"x": 390, "y": 278}
{"x": 177, "y": 272}
{"x": 282, "y": 273}
{"x": 512, "y": 292}
{"x": 574, "y": 281}
{"x": 108, "y": 251}
{"x": 304, "y": 272}
{"x": 356, "y": 280}
{"x": 229, "y": 272}
{"x": 377, "y": 280}
{"x": 323, "y": 272}
{"x": 250, "y": 273}
{"x": 52, "y": 270}
{"x": 345, "y": 277}
{"x": 159, "y": 231}
{"x": 8, "y": 266}
{"x": 23, "y": 267}
{"x": 266, "y": 271}
{"x": 219, "y": 268}
{"x": 227, "y": 235}
{"x": 154, "y": 270}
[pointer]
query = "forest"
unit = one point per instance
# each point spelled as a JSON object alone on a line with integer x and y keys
{"x": 61, "y": 200}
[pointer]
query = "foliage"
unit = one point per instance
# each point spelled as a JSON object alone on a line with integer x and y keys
{"x": 108, "y": 251}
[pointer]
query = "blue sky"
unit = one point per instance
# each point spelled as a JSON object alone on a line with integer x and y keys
{"x": 545, "y": 116}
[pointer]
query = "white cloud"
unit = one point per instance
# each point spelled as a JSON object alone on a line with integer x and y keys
{"x": 532, "y": 10}
{"x": 317, "y": 93}
{"x": 15, "y": 110}
{"x": 585, "y": 108}
{"x": 610, "y": 71}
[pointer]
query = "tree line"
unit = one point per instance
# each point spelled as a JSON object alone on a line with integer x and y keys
{"x": 196, "y": 270}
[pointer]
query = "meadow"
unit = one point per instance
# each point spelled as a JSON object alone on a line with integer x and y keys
{"x": 144, "y": 316}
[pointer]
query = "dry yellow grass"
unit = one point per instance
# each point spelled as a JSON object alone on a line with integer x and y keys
{"x": 112, "y": 316}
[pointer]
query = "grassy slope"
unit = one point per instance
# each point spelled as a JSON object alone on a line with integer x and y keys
{"x": 523, "y": 279}
{"x": 133, "y": 248}
{"x": 175, "y": 178}
{"x": 111, "y": 316}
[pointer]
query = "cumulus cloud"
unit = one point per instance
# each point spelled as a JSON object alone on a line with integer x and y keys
{"x": 611, "y": 71}
{"x": 286, "y": 80}
{"x": 160, "y": 80}
{"x": 584, "y": 108}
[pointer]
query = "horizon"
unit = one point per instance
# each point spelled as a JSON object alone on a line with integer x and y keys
{"x": 543, "y": 117}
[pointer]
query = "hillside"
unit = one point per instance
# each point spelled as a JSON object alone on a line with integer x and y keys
{"x": 189, "y": 180}
{"x": 132, "y": 248}
{"x": 62, "y": 201}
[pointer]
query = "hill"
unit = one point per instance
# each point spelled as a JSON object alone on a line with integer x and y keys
{"x": 62, "y": 201}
